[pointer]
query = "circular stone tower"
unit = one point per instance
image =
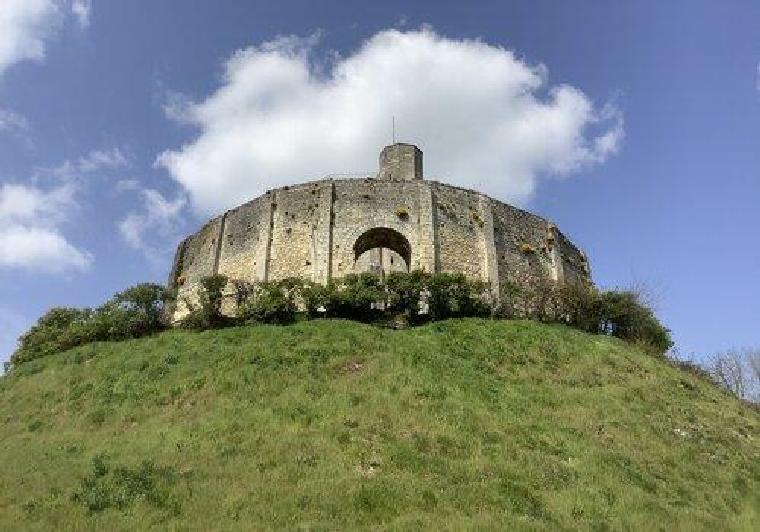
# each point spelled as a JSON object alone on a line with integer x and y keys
{"x": 393, "y": 221}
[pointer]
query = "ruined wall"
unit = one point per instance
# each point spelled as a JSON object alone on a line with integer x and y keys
{"x": 528, "y": 246}
{"x": 522, "y": 247}
{"x": 363, "y": 204}
{"x": 310, "y": 230}
{"x": 245, "y": 232}
{"x": 575, "y": 266}
{"x": 294, "y": 222}
{"x": 196, "y": 258}
{"x": 460, "y": 231}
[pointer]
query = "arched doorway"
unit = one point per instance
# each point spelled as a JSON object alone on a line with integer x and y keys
{"x": 382, "y": 250}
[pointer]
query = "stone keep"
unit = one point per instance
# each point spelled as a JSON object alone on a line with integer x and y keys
{"x": 393, "y": 221}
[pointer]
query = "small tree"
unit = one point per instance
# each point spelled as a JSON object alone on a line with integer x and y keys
{"x": 738, "y": 371}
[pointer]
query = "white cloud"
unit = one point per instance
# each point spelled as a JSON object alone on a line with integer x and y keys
{"x": 125, "y": 185}
{"x": 29, "y": 204}
{"x": 24, "y": 26}
{"x": 485, "y": 118}
{"x": 30, "y": 236}
{"x": 82, "y": 9}
{"x": 32, "y": 215}
{"x": 158, "y": 220}
{"x": 95, "y": 161}
{"x": 40, "y": 249}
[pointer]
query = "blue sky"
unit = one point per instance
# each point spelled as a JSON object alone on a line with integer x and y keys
{"x": 634, "y": 126}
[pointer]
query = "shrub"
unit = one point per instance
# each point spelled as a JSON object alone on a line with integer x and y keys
{"x": 361, "y": 297}
{"x": 316, "y": 298}
{"x": 580, "y": 305}
{"x": 453, "y": 295}
{"x": 408, "y": 297}
{"x": 135, "y": 312}
{"x": 120, "y": 487}
{"x": 208, "y": 313}
{"x": 59, "y": 329}
{"x": 623, "y": 314}
{"x": 271, "y": 302}
{"x": 405, "y": 293}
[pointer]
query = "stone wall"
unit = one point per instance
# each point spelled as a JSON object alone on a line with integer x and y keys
{"x": 245, "y": 231}
{"x": 460, "y": 231}
{"x": 363, "y": 204}
{"x": 522, "y": 242}
{"x": 311, "y": 230}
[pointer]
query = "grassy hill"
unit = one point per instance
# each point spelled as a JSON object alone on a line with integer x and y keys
{"x": 330, "y": 424}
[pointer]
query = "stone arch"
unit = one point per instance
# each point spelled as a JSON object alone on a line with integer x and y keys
{"x": 384, "y": 238}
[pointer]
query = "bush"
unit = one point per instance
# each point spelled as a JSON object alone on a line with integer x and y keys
{"x": 270, "y": 302}
{"x": 208, "y": 313}
{"x": 407, "y": 293}
{"x": 453, "y": 295}
{"x": 361, "y": 297}
{"x": 58, "y": 329}
{"x": 580, "y": 305}
{"x": 120, "y": 487}
{"x": 411, "y": 297}
{"x": 136, "y": 312}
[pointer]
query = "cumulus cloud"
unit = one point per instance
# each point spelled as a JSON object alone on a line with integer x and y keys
{"x": 484, "y": 117}
{"x": 26, "y": 204}
{"x": 32, "y": 215}
{"x": 30, "y": 236}
{"x": 158, "y": 220}
{"x": 24, "y": 26}
{"x": 40, "y": 249}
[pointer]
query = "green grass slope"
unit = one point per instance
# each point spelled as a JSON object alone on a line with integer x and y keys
{"x": 337, "y": 425}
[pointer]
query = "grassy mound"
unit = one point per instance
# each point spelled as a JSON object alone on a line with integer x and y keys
{"x": 330, "y": 424}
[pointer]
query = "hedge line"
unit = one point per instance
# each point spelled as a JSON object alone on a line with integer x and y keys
{"x": 398, "y": 299}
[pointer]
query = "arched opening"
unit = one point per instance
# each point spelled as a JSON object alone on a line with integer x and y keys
{"x": 382, "y": 250}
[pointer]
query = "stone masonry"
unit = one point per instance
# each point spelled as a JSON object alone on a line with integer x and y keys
{"x": 395, "y": 221}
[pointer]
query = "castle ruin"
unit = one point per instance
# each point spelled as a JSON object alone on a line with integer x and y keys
{"x": 393, "y": 221}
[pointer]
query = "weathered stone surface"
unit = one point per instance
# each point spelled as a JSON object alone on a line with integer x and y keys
{"x": 329, "y": 228}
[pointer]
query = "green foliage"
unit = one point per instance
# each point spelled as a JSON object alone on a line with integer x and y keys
{"x": 136, "y": 312}
{"x": 462, "y": 424}
{"x": 106, "y": 487}
{"x": 272, "y": 302}
{"x": 414, "y": 297}
{"x": 57, "y": 330}
{"x": 452, "y": 295}
{"x": 581, "y": 305}
{"x": 208, "y": 314}
{"x": 358, "y": 297}
{"x": 133, "y": 313}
